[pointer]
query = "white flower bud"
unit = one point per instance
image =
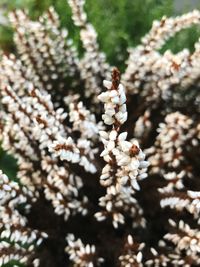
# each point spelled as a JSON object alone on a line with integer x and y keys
{"x": 113, "y": 135}
{"x": 107, "y": 84}
{"x": 122, "y": 136}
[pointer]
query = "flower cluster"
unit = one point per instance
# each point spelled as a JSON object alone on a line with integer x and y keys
{"x": 153, "y": 77}
{"x": 82, "y": 255}
{"x": 125, "y": 160}
{"x": 108, "y": 167}
{"x": 132, "y": 253}
{"x": 17, "y": 241}
{"x": 93, "y": 66}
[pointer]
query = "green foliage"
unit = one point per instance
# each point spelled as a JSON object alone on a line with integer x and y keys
{"x": 13, "y": 264}
{"x": 8, "y": 165}
{"x": 183, "y": 39}
{"x": 122, "y": 23}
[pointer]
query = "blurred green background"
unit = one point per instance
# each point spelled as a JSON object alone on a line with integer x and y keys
{"x": 119, "y": 23}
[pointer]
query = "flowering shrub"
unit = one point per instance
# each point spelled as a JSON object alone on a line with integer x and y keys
{"x": 83, "y": 195}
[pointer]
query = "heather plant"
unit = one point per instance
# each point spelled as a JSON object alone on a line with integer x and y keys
{"x": 108, "y": 162}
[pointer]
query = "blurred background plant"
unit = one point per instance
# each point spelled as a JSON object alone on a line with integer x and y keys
{"x": 123, "y": 22}
{"x": 119, "y": 23}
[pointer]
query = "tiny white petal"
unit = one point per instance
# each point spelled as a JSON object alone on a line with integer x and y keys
{"x": 107, "y": 84}
{"x": 122, "y": 136}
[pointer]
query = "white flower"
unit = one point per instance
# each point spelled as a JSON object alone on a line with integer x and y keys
{"x": 135, "y": 184}
{"x": 107, "y": 84}
{"x": 104, "y": 97}
{"x": 113, "y": 93}
{"x": 104, "y": 153}
{"x": 115, "y": 99}
{"x": 123, "y": 160}
{"x": 113, "y": 135}
{"x": 134, "y": 164}
{"x": 107, "y": 119}
{"x": 125, "y": 146}
{"x": 111, "y": 145}
{"x": 122, "y": 136}
{"x": 110, "y": 112}
{"x": 144, "y": 164}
